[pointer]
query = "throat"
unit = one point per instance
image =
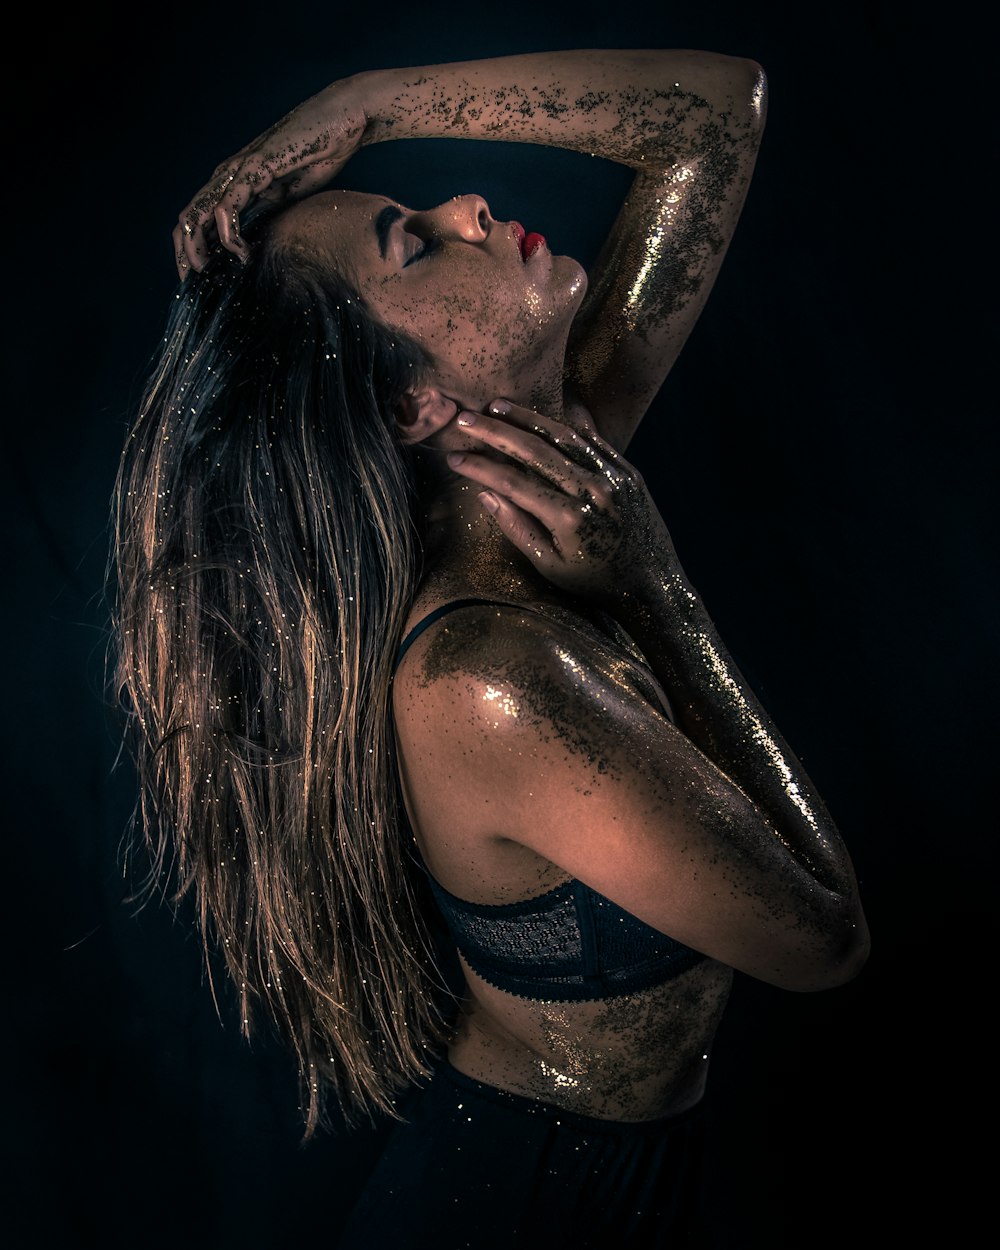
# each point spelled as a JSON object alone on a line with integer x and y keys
{"x": 466, "y": 553}
{"x": 464, "y": 550}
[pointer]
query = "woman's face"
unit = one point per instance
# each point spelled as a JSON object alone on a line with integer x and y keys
{"x": 493, "y": 320}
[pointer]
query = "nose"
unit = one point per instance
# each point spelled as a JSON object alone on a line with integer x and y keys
{"x": 466, "y": 217}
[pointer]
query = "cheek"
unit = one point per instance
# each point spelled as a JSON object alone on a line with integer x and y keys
{"x": 490, "y": 334}
{"x": 476, "y": 321}
{"x": 484, "y": 326}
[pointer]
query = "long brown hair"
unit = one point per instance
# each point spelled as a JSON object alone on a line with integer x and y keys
{"x": 265, "y": 553}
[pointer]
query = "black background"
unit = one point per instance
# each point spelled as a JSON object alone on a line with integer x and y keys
{"x": 820, "y": 453}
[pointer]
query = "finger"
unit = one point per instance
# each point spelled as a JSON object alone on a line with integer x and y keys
{"x": 551, "y": 428}
{"x": 180, "y": 257}
{"x": 189, "y": 250}
{"x": 578, "y": 438}
{"x": 190, "y": 231}
{"x": 227, "y": 223}
{"x": 522, "y": 530}
{"x": 580, "y": 418}
{"x": 233, "y": 196}
{"x": 224, "y": 203}
{"x": 209, "y": 216}
{"x": 526, "y": 489}
{"x": 528, "y": 447}
{"x": 560, "y": 514}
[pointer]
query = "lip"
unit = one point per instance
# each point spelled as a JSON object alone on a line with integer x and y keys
{"x": 532, "y": 243}
{"x": 527, "y": 243}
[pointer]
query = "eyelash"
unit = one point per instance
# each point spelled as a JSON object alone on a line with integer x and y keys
{"x": 430, "y": 245}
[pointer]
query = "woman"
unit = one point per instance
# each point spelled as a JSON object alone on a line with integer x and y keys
{"x": 377, "y": 536}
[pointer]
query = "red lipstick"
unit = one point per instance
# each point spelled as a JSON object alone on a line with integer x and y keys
{"x": 527, "y": 244}
{"x": 531, "y": 243}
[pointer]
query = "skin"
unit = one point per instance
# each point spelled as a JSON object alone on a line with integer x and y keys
{"x": 454, "y": 279}
{"x": 606, "y": 734}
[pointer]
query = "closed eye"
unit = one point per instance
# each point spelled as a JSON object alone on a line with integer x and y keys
{"x": 430, "y": 245}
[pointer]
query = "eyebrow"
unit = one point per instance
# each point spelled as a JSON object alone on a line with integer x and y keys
{"x": 384, "y": 222}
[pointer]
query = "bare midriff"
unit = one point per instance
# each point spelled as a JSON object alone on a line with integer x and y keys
{"x": 629, "y": 1058}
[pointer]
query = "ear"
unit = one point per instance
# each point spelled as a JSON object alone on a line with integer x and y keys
{"x": 423, "y": 412}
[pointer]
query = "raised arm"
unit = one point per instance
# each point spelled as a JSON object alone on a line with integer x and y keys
{"x": 688, "y": 122}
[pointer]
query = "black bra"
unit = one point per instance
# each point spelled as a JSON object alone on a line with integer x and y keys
{"x": 569, "y": 944}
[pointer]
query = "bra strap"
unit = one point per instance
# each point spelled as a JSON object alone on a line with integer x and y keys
{"x": 436, "y": 615}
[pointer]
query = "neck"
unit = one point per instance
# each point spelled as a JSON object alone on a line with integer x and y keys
{"x": 538, "y": 385}
{"x": 465, "y": 553}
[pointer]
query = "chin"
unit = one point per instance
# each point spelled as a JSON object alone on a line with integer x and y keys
{"x": 571, "y": 276}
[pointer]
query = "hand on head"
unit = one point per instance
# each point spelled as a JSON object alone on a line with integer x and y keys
{"x": 298, "y": 155}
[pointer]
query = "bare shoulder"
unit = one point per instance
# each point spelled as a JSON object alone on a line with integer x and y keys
{"x": 499, "y": 707}
{"x": 507, "y": 666}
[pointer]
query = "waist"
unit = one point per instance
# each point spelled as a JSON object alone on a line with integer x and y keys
{"x": 632, "y": 1058}
{"x": 467, "y": 1086}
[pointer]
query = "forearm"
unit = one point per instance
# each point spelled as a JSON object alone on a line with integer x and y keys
{"x": 716, "y": 709}
{"x": 630, "y": 106}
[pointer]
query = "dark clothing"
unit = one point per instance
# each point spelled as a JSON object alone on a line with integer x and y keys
{"x": 476, "y": 1168}
{"x": 570, "y": 944}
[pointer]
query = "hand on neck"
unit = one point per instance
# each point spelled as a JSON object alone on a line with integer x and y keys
{"x": 462, "y": 541}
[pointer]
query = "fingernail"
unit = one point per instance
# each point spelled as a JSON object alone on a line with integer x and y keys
{"x": 454, "y": 458}
{"x": 500, "y": 407}
{"x": 466, "y": 418}
{"x": 489, "y": 501}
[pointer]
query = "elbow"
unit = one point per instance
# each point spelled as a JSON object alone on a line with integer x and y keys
{"x": 743, "y": 92}
{"x": 841, "y": 960}
{"x": 821, "y": 954}
{"x": 740, "y": 95}
{"x": 857, "y": 948}
{"x": 722, "y": 104}
{"x": 755, "y": 94}
{"x": 849, "y": 957}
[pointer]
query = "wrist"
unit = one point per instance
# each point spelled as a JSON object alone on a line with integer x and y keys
{"x": 373, "y": 91}
{"x": 662, "y": 599}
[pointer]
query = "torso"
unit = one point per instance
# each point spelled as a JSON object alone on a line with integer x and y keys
{"x": 631, "y": 1057}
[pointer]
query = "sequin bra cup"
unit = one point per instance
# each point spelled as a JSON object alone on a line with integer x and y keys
{"x": 569, "y": 944}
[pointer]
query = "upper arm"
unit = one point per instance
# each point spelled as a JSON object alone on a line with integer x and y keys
{"x": 667, "y": 244}
{"x": 542, "y": 742}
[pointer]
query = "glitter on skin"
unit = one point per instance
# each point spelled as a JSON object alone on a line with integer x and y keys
{"x": 630, "y": 1058}
{"x": 559, "y": 1080}
{"x": 758, "y": 731}
{"x": 501, "y": 699}
{"x": 659, "y": 237}
{"x": 689, "y": 130}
